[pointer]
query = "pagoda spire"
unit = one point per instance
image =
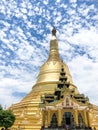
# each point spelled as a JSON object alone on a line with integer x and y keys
{"x": 54, "y": 54}
{"x": 51, "y": 69}
{"x": 53, "y": 33}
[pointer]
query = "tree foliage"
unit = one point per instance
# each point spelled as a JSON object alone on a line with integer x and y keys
{"x": 7, "y": 118}
{"x": 1, "y": 108}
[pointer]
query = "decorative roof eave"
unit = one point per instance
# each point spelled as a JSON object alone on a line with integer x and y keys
{"x": 56, "y": 102}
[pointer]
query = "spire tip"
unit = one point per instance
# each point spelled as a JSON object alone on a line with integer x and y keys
{"x": 54, "y": 31}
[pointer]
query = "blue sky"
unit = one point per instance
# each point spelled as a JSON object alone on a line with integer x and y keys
{"x": 25, "y": 34}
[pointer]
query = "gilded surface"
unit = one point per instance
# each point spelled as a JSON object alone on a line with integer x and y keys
{"x": 29, "y": 114}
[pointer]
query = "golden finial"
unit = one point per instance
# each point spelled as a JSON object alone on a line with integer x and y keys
{"x": 54, "y": 31}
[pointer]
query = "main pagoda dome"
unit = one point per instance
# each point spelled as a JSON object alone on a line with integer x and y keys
{"x": 54, "y": 97}
{"x": 50, "y": 70}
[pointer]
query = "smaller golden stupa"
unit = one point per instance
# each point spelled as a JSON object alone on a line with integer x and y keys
{"x": 54, "y": 101}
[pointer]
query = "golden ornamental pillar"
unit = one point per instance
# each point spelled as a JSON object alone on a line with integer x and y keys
{"x": 42, "y": 117}
{"x": 89, "y": 118}
{"x": 46, "y": 119}
{"x": 76, "y": 117}
{"x": 49, "y": 117}
{"x": 59, "y": 117}
{"x": 85, "y": 117}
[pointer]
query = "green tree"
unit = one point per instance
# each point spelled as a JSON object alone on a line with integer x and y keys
{"x": 1, "y": 108}
{"x": 1, "y": 113}
{"x": 7, "y": 118}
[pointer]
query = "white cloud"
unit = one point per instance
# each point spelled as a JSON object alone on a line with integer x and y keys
{"x": 85, "y": 37}
{"x": 45, "y": 2}
{"x": 73, "y": 1}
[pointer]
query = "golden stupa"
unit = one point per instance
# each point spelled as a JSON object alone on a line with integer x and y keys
{"x": 54, "y": 101}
